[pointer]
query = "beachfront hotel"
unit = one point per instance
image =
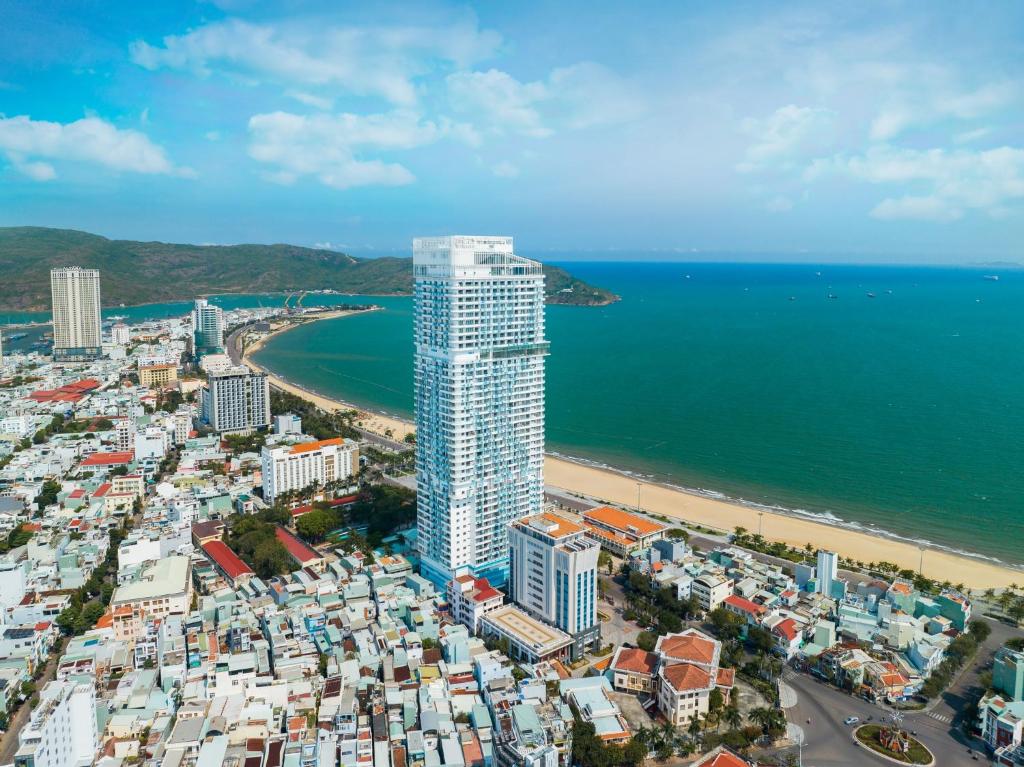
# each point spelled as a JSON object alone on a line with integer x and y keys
{"x": 76, "y": 313}
{"x": 553, "y": 576}
{"x": 479, "y": 394}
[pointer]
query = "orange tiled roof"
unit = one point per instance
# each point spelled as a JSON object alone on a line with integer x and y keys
{"x": 726, "y": 677}
{"x": 688, "y": 647}
{"x": 623, "y": 521}
{"x": 308, "y": 447}
{"x": 686, "y": 676}
{"x": 635, "y": 660}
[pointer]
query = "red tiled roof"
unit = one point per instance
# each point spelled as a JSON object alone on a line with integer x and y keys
{"x": 484, "y": 590}
{"x": 726, "y": 677}
{"x": 787, "y": 628}
{"x": 102, "y": 490}
{"x": 108, "y": 459}
{"x": 71, "y": 392}
{"x": 295, "y": 547}
{"x": 635, "y": 660}
{"x": 743, "y": 604}
{"x": 686, "y": 676}
{"x": 722, "y": 759}
{"x": 77, "y": 493}
{"x": 688, "y": 647}
{"x": 226, "y": 559}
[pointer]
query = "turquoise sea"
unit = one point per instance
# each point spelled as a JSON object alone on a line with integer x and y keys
{"x": 900, "y": 412}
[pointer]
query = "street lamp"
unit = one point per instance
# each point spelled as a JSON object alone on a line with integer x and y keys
{"x": 920, "y": 565}
{"x": 638, "y": 486}
{"x": 760, "y": 522}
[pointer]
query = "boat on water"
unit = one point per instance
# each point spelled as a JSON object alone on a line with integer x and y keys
{"x": 832, "y": 295}
{"x": 992, "y": 277}
{"x": 16, "y": 336}
{"x": 871, "y": 295}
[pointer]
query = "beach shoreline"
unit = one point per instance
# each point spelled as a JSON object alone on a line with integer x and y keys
{"x": 610, "y": 485}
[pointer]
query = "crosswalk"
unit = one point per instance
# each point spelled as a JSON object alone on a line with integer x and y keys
{"x": 940, "y": 717}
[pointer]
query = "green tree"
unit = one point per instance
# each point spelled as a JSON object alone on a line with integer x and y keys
{"x": 646, "y": 640}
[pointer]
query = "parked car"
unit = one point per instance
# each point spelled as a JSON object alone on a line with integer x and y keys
{"x": 850, "y": 720}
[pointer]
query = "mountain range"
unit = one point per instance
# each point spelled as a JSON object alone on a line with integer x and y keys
{"x": 149, "y": 272}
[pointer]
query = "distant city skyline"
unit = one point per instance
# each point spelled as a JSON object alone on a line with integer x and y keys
{"x": 818, "y": 132}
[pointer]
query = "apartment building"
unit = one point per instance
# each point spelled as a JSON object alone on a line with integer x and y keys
{"x": 236, "y": 400}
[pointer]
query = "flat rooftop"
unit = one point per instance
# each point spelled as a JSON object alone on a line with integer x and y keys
{"x": 528, "y": 631}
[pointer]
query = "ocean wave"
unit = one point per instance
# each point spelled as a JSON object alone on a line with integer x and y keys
{"x": 821, "y": 517}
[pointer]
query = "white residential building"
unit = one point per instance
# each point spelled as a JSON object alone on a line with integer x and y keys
{"x": 182, "y": 424}
{"x": 471, "y": 599}
{"x": 208, "y": 328}
{"x": 120, "y": 334}
{"x": 711, "y": 590}
{"x": 124, "y": 431}
{"x": 828, "y": 571}
{"x": 553, "y": 575}
{"x": 479, "y": 395}
{"x": 236, "y": 400}
{"x": 296, "y": 467}
{"x": 688, "y": 670}
{"x": 62, "y": 731}
{"x": 76, "y": 313}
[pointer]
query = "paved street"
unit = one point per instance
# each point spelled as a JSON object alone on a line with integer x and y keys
{"x": 829, "y": 742}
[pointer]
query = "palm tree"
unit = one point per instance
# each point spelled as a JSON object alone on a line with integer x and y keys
{"x": 762, "y": 717}
{"x": 732, "y": 716}
{"x": 694, "y": 728}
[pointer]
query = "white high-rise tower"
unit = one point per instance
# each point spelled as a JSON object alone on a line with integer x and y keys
{"x": 76, "y": 313}
{"x": 208, "y": 328}
{"x": 479, "y": 393}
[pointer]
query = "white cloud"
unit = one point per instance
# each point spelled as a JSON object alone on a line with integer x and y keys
{"x": 327, "y": 146}
{"x": 784, "y": 134}
{"x": 375, "y": 61}
{"x": 953, "y": 181}
{"x": 505, "y": 169}
{"x": 580, "y": 96}
{"x": 32, "y": 145}
{"x": 497, "y": 99}
{"x": 915, "y": 105}
{"x": 312, "y": 100}
{"x": 921, "y": 208}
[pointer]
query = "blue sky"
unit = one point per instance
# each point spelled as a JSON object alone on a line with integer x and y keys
{"x": 890, "y": 131}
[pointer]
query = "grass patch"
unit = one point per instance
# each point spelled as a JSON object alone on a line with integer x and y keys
{"x": 918, "y": 754}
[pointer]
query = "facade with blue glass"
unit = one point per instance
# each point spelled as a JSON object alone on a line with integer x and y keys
{"x": 479, "y": 396}
{"x": 553, "y": 576}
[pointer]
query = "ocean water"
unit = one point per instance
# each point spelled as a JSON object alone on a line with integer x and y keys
{"x": 900, "y": 412}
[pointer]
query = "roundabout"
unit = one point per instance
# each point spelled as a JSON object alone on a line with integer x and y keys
{"x": 892, "y": 743}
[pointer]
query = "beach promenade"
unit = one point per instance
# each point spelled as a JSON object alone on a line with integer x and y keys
{"x": 622, "y": 489}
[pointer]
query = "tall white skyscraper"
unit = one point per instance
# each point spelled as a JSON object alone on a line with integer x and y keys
{"x": 76, "y": 313}
{"x": 828, "y": 571}
{"x": 479, "y": 393}
{"x": 208, "y": 328}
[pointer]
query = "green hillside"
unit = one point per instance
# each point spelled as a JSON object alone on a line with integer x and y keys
{"x": 149, "y": 272}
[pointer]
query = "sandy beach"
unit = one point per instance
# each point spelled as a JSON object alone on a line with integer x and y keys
{"x": 621, "y": 489}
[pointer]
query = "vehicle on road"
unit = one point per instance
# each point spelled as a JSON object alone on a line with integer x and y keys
{"x": 850, "y": 720}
